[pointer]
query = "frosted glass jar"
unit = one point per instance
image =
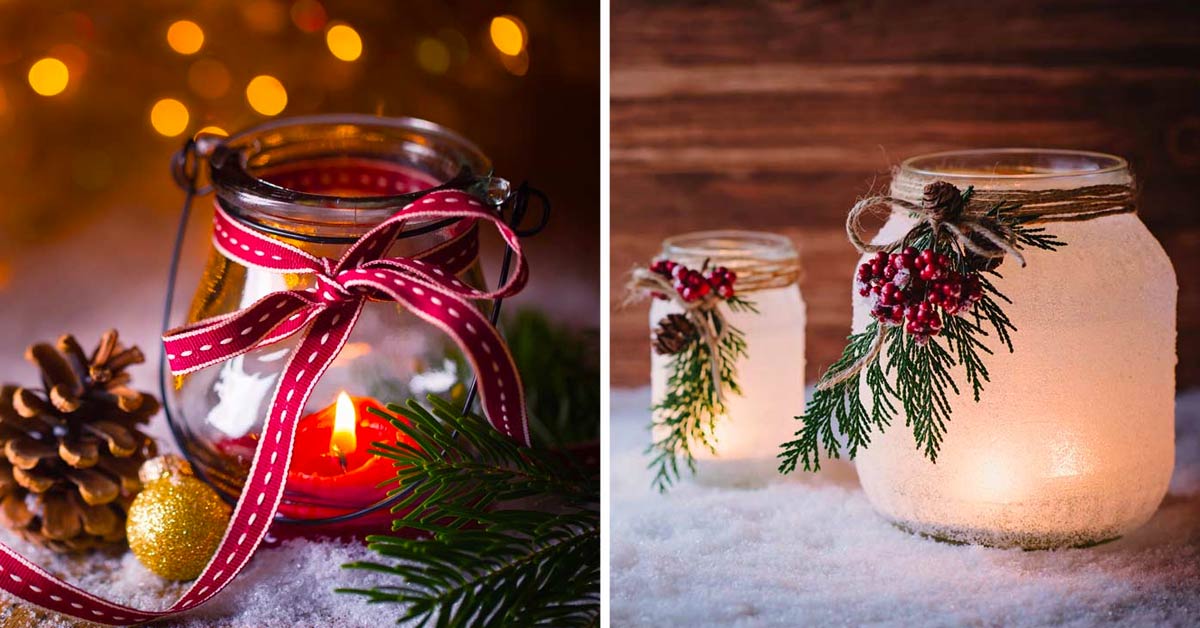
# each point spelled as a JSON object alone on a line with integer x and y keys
{"x": 1072, "y": 442}
{"x": 772, "y": 374}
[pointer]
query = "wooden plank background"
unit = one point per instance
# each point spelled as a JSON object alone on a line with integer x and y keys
{"x": 778, "y": 115}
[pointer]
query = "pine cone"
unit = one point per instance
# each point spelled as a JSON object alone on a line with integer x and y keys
{"x": 942, "y": 200}
{"x": 72, "y": 450}
{"x": 674, "y": 333}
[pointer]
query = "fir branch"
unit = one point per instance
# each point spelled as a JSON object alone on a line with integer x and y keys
{"x": 513, "y": 533}
{"x": 692, "y": 404}
{"x": 842, "y": 403}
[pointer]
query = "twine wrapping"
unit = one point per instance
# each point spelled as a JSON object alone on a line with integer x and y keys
{"x": 961, "y": 222}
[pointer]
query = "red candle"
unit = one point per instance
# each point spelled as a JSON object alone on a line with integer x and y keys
{"x": 332, "y": 471}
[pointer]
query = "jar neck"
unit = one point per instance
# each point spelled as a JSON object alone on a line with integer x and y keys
{"x": 1011, "y": 169}
{"x": 761, "y": 260}
{"x": 330, "y": 179}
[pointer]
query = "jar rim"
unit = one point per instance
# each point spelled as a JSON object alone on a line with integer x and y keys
{"x": 234, "y": 162}
{"x": 1030, "y": 163}
{"x": 716, "y": 244}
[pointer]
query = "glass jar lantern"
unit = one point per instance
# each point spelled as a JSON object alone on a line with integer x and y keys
{"x": 1072, "y": 442}
{"x": 319, "y": 183}
{"x": 771, "y": 376}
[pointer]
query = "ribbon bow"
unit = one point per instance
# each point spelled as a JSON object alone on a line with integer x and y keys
{"x": 425, "y": 285}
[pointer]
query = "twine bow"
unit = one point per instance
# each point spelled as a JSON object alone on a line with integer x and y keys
{"x": 702, "y": 313}
{"x": 968, "y": 214}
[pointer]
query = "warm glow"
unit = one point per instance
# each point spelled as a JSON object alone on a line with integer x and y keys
{"x": 508, "y": 35}
{"x": 344, "y": 42}
{"x": 345, "y": 417}
{"x": 213, "y": 130}
{"x": 48, "y": 76}
{"x": 169, "y": 117}
{"x": 185, "y": 37}
{"x": 266, "y": 95}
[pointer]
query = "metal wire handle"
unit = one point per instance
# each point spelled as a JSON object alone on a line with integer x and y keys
{"x": 185, "y": 170}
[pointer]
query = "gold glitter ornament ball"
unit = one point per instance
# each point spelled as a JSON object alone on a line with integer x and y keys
{"x": 175, "y": 524}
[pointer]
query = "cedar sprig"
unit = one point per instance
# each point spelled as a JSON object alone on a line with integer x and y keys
{"x": 512, "y": 534}
{"x": 917, "y": 376}
{"x": 692, "y": 404}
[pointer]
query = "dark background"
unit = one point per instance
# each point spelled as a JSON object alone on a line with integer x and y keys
{"x": 779, "y": 115}
{"x": 90, "y": 154}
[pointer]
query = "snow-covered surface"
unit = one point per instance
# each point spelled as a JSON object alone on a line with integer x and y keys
{"x": 764, "y": 550}
{"x": 112, "y": 275}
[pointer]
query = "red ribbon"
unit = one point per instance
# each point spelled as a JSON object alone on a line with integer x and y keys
{"x": 425, "y": 284}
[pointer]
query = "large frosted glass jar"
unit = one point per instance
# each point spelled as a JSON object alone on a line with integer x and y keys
{"x": 1072, "y": 442}
{"x": 772, "y": 374}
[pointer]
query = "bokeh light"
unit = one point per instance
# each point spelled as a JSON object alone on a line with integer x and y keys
{"x": 169, "y": 117}
{"x": 433, "y": 56}
{"x": 308, "y": 15}
{"x": 185, "y": 37}
{"x": 48, "y": 76}
{"x": 508, "y": 35}
{"x": 266, "y": 95}
{"x": 344, "y": 42}
{"x": 213, "y": 130}
{"x": 209, "y": 78}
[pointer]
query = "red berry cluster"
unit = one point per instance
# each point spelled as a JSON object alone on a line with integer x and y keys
{"x": 693, "y": 285}
{"x": 910, "y": 287}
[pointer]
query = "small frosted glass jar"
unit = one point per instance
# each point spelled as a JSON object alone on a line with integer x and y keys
{"x": 1072, "y": 442}
{"x": 771, "y": 376}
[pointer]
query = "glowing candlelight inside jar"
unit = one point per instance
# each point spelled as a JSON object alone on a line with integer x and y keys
{"x": 345, "y": 438}
{"x": 333, "y": 470}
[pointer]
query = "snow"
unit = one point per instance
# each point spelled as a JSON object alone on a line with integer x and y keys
{"x": 764, "y": 550}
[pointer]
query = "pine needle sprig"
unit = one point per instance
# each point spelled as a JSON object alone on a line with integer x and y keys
{"x": 910, "y": 375}
{"x": 841, "y": 405}
{"x": 687, "y": 413}
{"x": 513, "y": 533}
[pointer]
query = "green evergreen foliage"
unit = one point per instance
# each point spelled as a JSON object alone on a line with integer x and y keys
{"x": 511, "y": 535}
{"x": 693, "y": 403}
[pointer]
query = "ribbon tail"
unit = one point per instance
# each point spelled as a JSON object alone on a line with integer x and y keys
{"x": 500, "y": 389}
{"x": 264, "y": 487}
{"x": 208, "y": 342}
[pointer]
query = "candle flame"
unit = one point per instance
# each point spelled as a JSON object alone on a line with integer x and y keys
{"x": 345, "y": 416}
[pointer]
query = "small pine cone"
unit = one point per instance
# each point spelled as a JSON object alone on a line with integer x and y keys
{"x": 70, "y": 451}
{"x": 942, "y": 200}
{"x": 674, "y": 334}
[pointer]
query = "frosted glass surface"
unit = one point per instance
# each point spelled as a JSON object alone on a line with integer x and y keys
{"x": 1072, "y": 441}
{"x": 771, "y": 377}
